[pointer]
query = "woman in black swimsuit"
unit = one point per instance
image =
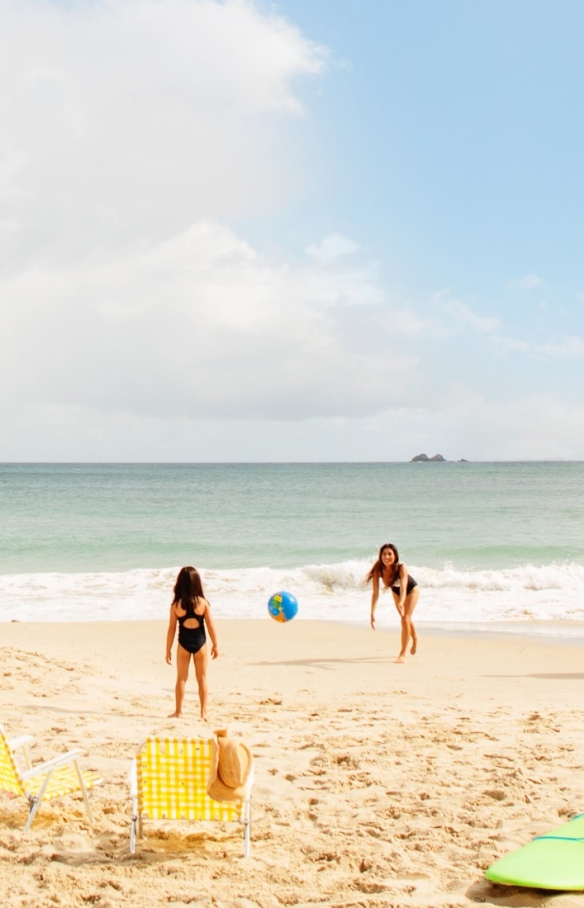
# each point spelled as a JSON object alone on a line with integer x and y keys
{"x": 393, "y": 574}
{"x": 191, "y": 611}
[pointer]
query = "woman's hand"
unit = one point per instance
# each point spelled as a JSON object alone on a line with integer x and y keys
{"x": 214, "y": 651}
{"x": 169, "y": 657}
{"x": 373, "y": 621}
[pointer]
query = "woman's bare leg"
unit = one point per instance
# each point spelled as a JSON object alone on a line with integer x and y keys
{"x": 407, "y": 625}
{"x": 182, "y": 673}
{"x": 414, "y": 647}
{"x": 200, "y": 660}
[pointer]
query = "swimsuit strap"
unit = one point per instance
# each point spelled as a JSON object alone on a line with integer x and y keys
{"x": 189, "y": 613}
{"x": 395, "y": 577}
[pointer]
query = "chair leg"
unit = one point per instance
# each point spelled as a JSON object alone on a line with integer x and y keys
{"x": 133, "y": 823}
{"x": 84, "y": 792}
{"x": 247, "y": 830}
{"x": 34, "y": 804}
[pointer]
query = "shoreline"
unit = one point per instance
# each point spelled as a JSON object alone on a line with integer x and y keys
{"x": 554, "y": 632}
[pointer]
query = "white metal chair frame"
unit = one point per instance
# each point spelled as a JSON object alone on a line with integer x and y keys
{"x": 47, "y": 768}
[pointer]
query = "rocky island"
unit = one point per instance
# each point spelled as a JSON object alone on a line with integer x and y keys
{"x": 423, "y": 458}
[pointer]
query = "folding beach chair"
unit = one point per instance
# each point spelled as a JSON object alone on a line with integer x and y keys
{"x": 52, "y": 779}
{"x": 169, "y": 782}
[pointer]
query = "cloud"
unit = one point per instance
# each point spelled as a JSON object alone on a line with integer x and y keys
{"x": 124, "y": 121}
{"x": 331, "y": 248}
{"x": 477, "y": 426}
{"x": 527, "y": 427}
{"x": 461, "y": 316}
{"x": 459, "y": 423}
{"x": 527, "y": 282}
{"x": 566, "y": 348}
{"x": 132, "y": 133}
{"x": 202, "y": 326}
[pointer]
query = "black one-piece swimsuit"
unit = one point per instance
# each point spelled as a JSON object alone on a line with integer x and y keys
{"x": 192, "y": 638}
{"x": 396, "y": 585}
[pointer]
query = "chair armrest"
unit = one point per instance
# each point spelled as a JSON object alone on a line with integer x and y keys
{"x": 69, "y": 757}
{"x": 22, "y": 744}
{"x": 22, "y": 741}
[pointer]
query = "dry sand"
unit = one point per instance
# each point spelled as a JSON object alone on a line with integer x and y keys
{"x": 376, "y": 784}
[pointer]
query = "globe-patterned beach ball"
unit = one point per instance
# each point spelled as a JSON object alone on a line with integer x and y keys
{"x": 283, "y": 606}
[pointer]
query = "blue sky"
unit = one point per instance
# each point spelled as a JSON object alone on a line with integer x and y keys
{"x": 305, "y": 230}
{"x": 455, "y": 137}
{"x": 455, "y": 134}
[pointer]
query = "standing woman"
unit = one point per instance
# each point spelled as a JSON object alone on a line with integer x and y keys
{"x": 389, "y": 570}
{"x": 191, "y": 611}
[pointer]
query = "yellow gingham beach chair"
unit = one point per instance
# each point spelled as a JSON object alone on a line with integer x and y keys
{"x": 52, "y": 779}
{"x": 169, "y": 782}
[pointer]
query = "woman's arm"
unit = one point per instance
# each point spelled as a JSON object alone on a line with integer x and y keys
{"x": 170, "y": 633}
{"x": 212, "y": 632}
{"x": 374, "y": 597}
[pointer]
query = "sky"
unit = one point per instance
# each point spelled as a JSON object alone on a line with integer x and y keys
{"x": 303, "y": 230}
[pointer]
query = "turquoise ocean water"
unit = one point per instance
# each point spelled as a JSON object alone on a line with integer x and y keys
{"x": 487, "y": 542}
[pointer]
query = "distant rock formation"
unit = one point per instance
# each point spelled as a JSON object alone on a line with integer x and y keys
{"x": 423, "y": 458}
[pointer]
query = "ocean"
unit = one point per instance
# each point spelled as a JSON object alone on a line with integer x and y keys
{"x": 489, "y": 543}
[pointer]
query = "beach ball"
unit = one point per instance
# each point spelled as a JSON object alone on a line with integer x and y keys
{"x": 283, "y": 606}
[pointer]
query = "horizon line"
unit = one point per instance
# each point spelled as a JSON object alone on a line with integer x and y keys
{"x": 210, "y": 463}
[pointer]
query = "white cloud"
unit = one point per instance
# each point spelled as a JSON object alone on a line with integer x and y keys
{"x": 527, "y": 282}
{"x": 461, "y": 316}
{"x": 566, "y": 348}
{"x": 202, "y": 326}
{"x": 332, "y": 247}
{"x": 129, "y": 120}
{"x": 529, "y": 427}
{"x": 131, "y": 133}
{"x": 457, "y": 423}
{"x": 477, "y": 426}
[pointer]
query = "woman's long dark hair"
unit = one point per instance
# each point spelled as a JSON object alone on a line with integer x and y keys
{"x": 188, "y": 588}
{"x": 378, "y": 566}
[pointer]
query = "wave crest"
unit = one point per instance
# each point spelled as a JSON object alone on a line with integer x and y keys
{"x": 324, "y": 591}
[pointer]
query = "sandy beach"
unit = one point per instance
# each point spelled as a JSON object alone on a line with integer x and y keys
{"x": 376, "y": 783}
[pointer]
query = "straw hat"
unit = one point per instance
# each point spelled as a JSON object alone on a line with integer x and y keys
{"x": 231, "y": 764}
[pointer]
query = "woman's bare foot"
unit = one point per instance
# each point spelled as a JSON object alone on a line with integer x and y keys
{"x": 175, "y": 715}
{"x": 400, "y": 659}
{"x": 414, "y": 648}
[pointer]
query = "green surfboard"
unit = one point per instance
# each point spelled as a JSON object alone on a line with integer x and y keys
{"x": 552, "y": 861}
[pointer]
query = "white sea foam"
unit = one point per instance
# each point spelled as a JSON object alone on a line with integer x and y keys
{"x": 553, "y": 592}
